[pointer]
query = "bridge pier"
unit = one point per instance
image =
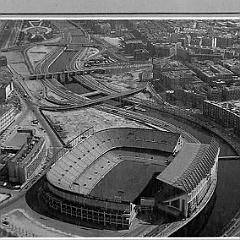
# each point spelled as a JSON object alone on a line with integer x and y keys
{"x": 66, "y": 78}
{"x": 48, "y": 76}
{"x": 61, "y": 78}
{"x": 41, "y": 76}
{"x": 71, "y": 74}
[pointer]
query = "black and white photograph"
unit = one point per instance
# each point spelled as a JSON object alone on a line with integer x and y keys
{"x": 116, "y": 126}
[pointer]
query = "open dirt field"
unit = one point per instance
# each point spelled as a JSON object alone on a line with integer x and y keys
{"x": 37, "y": 53}
{"x": 16, "y": 61}
{"x": 125, "y": 77}
{"x": 75, "y": 122}
{"x": 20, "y": 68}
{"x": 122, "y": 81}
{"x": 34, "y": 85}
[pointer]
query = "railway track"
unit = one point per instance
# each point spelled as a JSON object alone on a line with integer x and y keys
{"x": 146, "y": 119}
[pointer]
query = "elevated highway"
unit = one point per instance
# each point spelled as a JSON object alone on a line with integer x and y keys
{"x": 95, "y": 101}
{"x": 229, "y": 158}
{"x": 87, "y": 70}
{"x": 67, "y": 44}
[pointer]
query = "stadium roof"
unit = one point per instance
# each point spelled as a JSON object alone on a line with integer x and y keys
{"x": 88, "y": 164}
{"x": 190, "y": 166}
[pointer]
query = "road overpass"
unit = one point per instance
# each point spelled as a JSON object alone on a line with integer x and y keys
{"x": 87, "y": 70}
{"x": 94, "y": 101}
{"x": 67, "y": 44}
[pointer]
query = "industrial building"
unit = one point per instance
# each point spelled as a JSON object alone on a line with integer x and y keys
{"x": 113, "y": 174}
{"x": 7, "y": 116}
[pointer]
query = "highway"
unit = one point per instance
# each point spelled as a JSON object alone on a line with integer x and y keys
{"x": 32, "y": 106}
{"x": 93, "y": 102}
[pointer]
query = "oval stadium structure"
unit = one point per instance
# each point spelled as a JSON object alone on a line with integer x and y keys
{"x": 115, "y": 173}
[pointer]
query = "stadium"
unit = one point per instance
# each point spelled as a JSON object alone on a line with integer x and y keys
{"x": 113, "y": 174}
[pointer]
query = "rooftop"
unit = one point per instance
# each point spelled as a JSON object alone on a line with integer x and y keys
{"x": 179, "y": 74}
{"x": 133, "y": 41}
{"x": 28, "y": 150}
{"x": 221, "y": 70}
{"x": 232, "y": 106}
{"x": 4, "y": 84}
{"x": 17, "y": 140}
{"x": 191, "y": 164}
{"x": 4, "y": 109}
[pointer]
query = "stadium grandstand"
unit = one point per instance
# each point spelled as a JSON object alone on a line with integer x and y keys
{"x": 115, "y": 173}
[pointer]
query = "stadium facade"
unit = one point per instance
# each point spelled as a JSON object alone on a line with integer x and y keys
{"x": 113, "y": 174}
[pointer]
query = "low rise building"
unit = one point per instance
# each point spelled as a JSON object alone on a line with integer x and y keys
{"x": 223, "y": 41}
{"x": 146, "y": 76}
{"x": 163, "y": 49}
{"x": 3, "y": 61}
{"x": 141, "y": 55}
{"x": 210, "y": 72}
{"x": 190, "y": 98}
{"x": 16, "y": 139}
{"x": 225, "y": 113}
{"x": 231, "y": 93}
{"x": 221, "y": 72}
{"x": 6, "y": 88}
{"x": 233, "y": 65}
{"x": 214, "y": 93}
{"x": 207, "y": 41}
{"x": 187, "y": 54}
{"x": 166, "y": 65}
{"x": 7, "y": 116}
{"x": 25, "y": 162}
{"x": 132, "y": 45}
{"x": 177, "y": 79}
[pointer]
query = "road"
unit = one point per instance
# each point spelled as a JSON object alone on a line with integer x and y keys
{"x": 32, "y": 106}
